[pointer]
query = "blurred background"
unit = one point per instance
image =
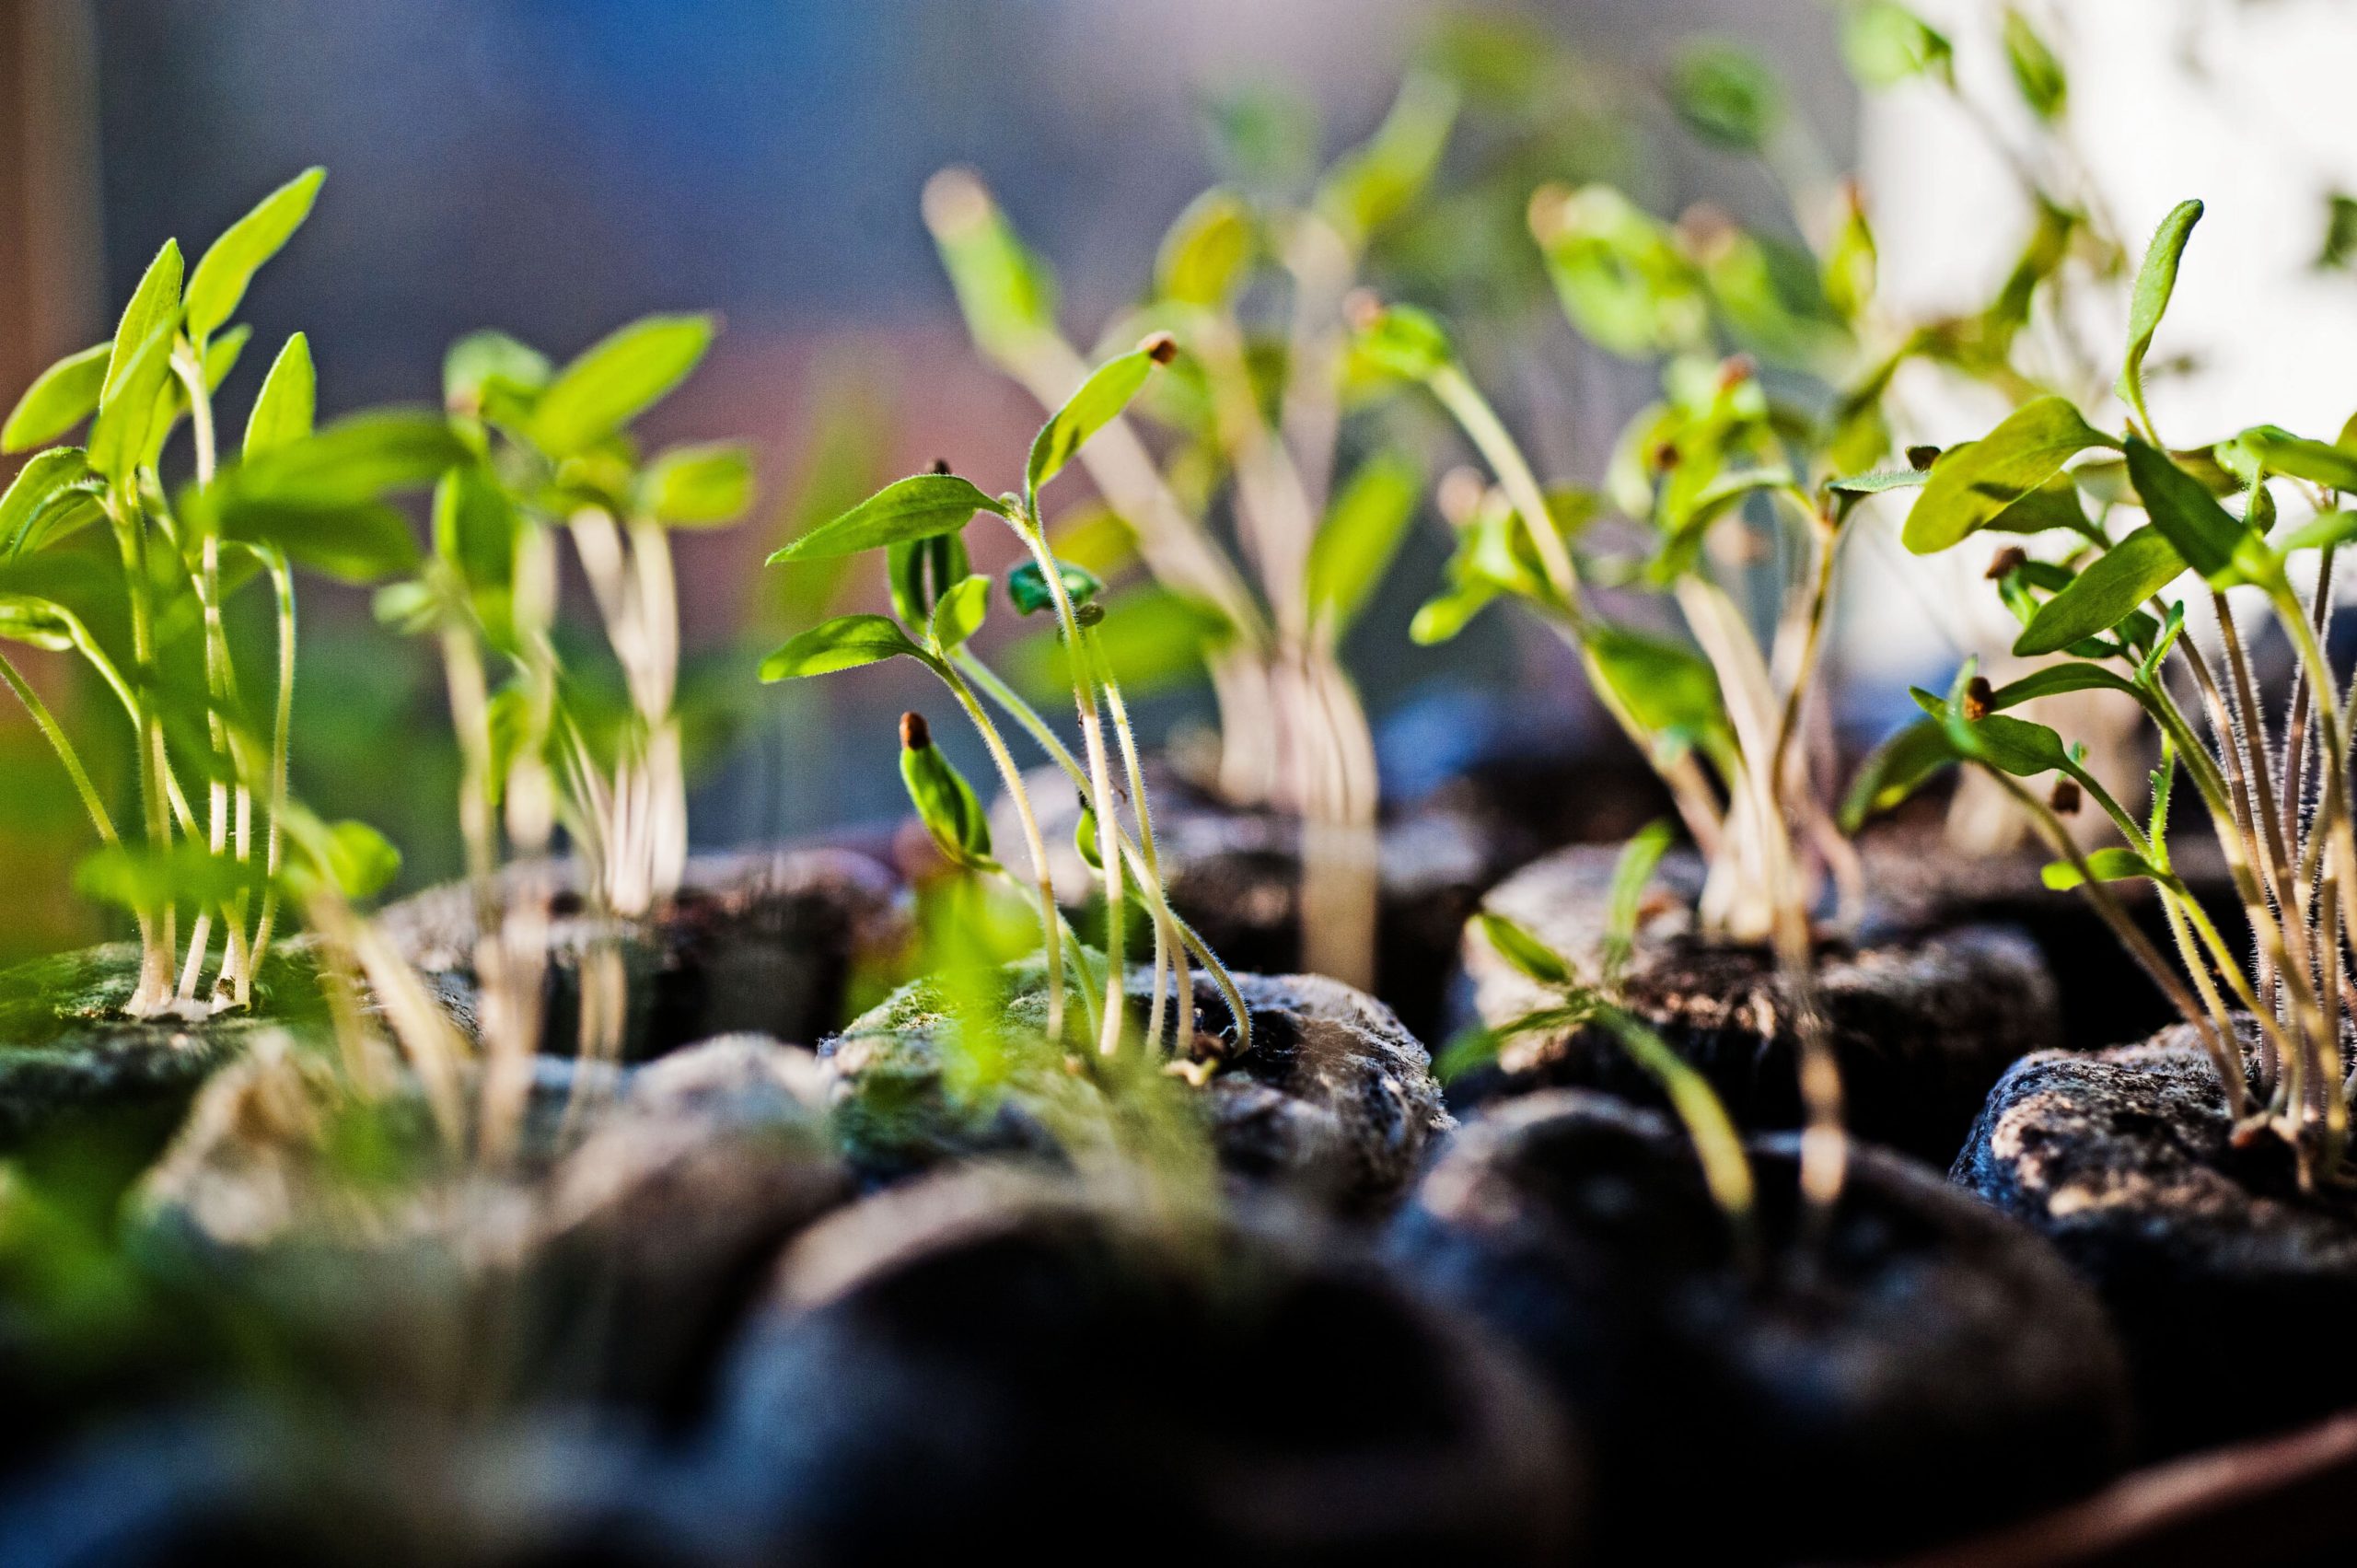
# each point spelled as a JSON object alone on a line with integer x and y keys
{"x": 556, "y": 167}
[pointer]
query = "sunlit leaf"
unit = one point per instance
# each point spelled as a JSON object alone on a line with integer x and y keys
{"x": 154, "y": 305}
{"x": 1725, "y": 94}
{"x": 60, "y": 398}
{"x": 1204, "y": 256}
{"x": 913, "y": 509}
{"x": 1007, "y": 293}
{"x": 2105, "y": 592}
{"x": 701, "y": 486}
{"x": 2212, "y": 541}
{"x": 218, "y": 284}
{"x": 1098, "y": 403}
{"x": 945, "y": 802}
{"x": 1896, "y": 770}
{"x": 1886, "y": 43}
{"x": 2113, "y": 863}
{"x": 285, "y": 407}
{"x": 1406, "y": 342}
{"x": 491, "y": 373}
{"x": 1362, "y": 532}
{"x": 1526, "y": 952}
{"x": 1972, "y": 482}
{"x": 617, "y": 378}
{"x": 1371, "y": 186}
{"x": 2036, "y": 71}
{"x": 958, "y": 614}
{"x": 1668, "y": 689}
{"x": 121, "y": 436}
{"x": 844, "y": 643}
{"x": 2156, "y": 281}
{"x": 46, "y": 479}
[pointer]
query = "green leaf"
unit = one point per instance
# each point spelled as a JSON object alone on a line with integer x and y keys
{"x": 1668, "y": 689}
{"x": 2037, "y": 72}
{"x": 615, "y": 379}
{"x": 1007, "y": 293}
{"x": 36, "y": 623}
{"x": 1374, "y": 184}
{"x": 155, "y": 303}
{"x": 353, "y": 541}
{"x": 45, "y": 478}
{"x": 1098, "y": 403}
{"x": 918, "y": 507}
{"x": 218, "y": 284}
{"x": 1887, "y": 45}
{"x": 945, "y": 803}
{"x": 359, "y": 458}
{"x": 491, "y": 373}
{"x": 2105, "y": 593}
{"x": 844, "y": 643}
{"x": 120, "y": 437}
{"x": 359, "y": 859}
{"x": 2280, "y": 451}
{"x": 60, "y": 398}
{"x": 1442, "y": 617}
{"x": 1407, "y": 341}
{"x": 475, "y": 525}
{"x": 2212, "y": 541}
{"x": 1973, "y": 481}
{"x": 920, "y": 570}
{"x": 1896, "y": 770}
{"x": 1632, "y": 874}
{"x": 1026, "y": 587}
{"x": 2054, "y": 504}
{"x": 1361, "y": 533}
{"x": 1725, "y": 94}
{"x": 2114, "y": 863}
{"x": 1525, "y": 951}
{"x": 2156, "y": 281}
{"x": 700, "y": 486}
{"x": 2056, "y": 679}
{"x": 1880, "y": 481}
{"x": 2019, "y": 747}
{"x": 287, "y": 405}
{"x": 139, "y": 878}
{"x": 958, "y": 613}
{"x": 1204, "y": 256}
{"x": 2324, "y": 528}
{"x": 1620, "y": 273}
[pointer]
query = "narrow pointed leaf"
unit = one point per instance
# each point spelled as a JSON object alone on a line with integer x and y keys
{"x": 2280, "y": 451}
{"x": 1971, "y": 483}
{"x": 155, "y": 303}
{"x": 698, "y": 487}
{"x": 958, "y": 614}
{"x": 1098, "y": 402}
{"x": 120, "y": 437}
{"x": 2056, "y": 679}
{"x": 2105, "y": 592}
{"x": 359, "y": 458}
{"x": 947, "y": 805}
{"x": 1361, "y": 533}
{"x": 1526, "y": 952}
{"x": 844, "y": 643}
{"x": 2114, "y": 863}
{"x": 918, "y": 507}
{"x": 1896, "y": 770}
{"x": 616, "y": 379}
{"x": 218, "y": 284}
{"x": 60, "y": 398}
{"x": 45, "y": 478}
{"x": 2156, "y": 281}
{"x": 287, "y": 405}
{"x": 2214, "y": 542}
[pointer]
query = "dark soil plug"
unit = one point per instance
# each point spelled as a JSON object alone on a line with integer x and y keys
{"x": 1925, "y": 1368}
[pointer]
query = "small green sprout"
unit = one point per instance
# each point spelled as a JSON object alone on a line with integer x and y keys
{"x": 939, "y": 604}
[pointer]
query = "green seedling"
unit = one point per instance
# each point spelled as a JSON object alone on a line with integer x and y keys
{"x": 939, "y": 603}
{"x": 1250, "y": 283}
{"x": 545, "y": 450}
{"x": 2105, "y": 602}
{"x": 140, "y": 597}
